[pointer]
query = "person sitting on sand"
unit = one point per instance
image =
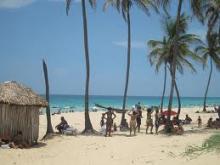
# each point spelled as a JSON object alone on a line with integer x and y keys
{"x": 210, "y": 123}
{"x": 179, "y": 129}
{"x": 199, "y": 122}
{"x": 110, "y": 116}
{"x": 175, "y": 120}
{"x": 187, "y": 120}
{"x": 216, "y": 124}
{"x": 133, "y": 121}
{"x": 18, "y": 142}
{"x": 62, "y": 126}
{"x": 149, "y": 121}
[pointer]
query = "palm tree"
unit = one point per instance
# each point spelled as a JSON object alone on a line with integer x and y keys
{"x": 195, "y": 5}
{"x": 88, "y": 124}
{"x": 49, "y": 125}
{"x": 163, "y": 51}
{"x": 158, "y": 56}
{"x": 211, "y": 12}
{"x": 124, "y": 6}
{"x": 210, "y": 52}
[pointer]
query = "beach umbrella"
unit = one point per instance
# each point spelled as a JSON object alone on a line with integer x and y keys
{"x": 172, "y": 113}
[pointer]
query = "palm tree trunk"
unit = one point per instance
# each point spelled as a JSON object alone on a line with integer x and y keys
{"x": 88, "y": 124}
{"x": 169, "y": 126}
{"x": 49, "y": 125}
{"x": 164, "y": 87}
{"x": 179, "y": 101}
{"x": 128, "y": 66}
{"x": 207, "y": 87}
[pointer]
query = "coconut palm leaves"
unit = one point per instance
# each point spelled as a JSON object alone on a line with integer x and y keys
{"x": 69, "y": 2}
{"x": 211, "y": 11}
{"x": 211, "y": 52}
{"x": 161, "y": 52}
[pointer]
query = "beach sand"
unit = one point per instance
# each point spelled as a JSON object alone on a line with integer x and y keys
{"x": 117, "y": 150}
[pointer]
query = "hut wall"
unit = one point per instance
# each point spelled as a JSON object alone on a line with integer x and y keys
{"x": 14, "y": 118}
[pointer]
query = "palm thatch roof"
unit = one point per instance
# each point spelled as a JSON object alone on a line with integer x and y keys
{"x": 15, "y": 93}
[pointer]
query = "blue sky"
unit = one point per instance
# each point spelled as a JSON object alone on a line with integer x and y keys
{"x": 35, "y": 29}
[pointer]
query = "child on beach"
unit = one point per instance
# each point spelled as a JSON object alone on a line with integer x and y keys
{"x": 199, "y": 122}
{"x": 149, "y": 121}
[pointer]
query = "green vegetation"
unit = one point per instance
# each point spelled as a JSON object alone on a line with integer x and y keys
{"x": 209, "y": 145}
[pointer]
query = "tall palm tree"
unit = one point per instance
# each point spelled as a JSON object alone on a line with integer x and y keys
{"x": 88, "y": 124}
{"x": 210, "y": 52}
{"x": 158, "y": 56}
{"x": 163, "y": 51}
{"x": 124, "y": 6}
{"x": 195, "y": 5}
{"x": 49, "y": 125}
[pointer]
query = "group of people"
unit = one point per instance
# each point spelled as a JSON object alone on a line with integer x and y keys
{"x": 213, "y": 123}
{"x": 108, "y": 126}
{"x": 15, "y": 142}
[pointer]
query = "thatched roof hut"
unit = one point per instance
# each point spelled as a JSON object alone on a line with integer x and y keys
{"x": 19, "y": 111}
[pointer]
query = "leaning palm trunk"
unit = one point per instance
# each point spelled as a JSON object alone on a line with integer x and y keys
{"x": 179, "y": 101}
{"x": 207, "y": 87}
{"x": 128, "y": 66}
{"x": 88, "y": 124}
{"x": 49, "y": 125}
{"x": 169, "y": 126}
{"x": 164, "y": 87}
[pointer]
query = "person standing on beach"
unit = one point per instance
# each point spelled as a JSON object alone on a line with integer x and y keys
{"x": 149, "y": 121}
{"x": 110, "y": 116}
{"x": 199, "y": 122}
{"x": 102, "y": 122}
{"x": 133, "y": 122}
{"x": 157, "y": 120}
{"x": 139, "y": 116}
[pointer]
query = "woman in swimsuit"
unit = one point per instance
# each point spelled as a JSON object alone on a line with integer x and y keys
{"x": 149, "y": 121}
{"x": 110, "y": 116}
{"x": 133, "y": 122}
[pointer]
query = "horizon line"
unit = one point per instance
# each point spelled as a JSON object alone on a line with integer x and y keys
{"x": 129, "y": 95}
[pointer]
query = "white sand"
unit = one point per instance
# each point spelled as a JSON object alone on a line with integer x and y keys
{"x": 117, "y": 150}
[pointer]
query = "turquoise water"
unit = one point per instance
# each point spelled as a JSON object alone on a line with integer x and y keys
{"x": 76, "y": 102}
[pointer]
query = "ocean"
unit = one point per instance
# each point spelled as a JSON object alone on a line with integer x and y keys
{"x": 76, "y": 102}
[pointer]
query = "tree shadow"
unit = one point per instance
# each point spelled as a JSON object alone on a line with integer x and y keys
{"x": 39, "y": 145}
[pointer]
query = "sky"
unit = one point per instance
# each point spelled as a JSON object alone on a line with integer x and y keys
{"x": 32, "y": 30}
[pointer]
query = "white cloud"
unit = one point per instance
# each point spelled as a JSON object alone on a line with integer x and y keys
{"x": 11, "y": 4}
{"x": 134, "y": 44}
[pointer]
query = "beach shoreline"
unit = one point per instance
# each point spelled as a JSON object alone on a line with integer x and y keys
{"x": 118, "y": 149}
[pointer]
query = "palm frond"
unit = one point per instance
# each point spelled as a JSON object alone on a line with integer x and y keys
{"x": 68, "y": 3}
